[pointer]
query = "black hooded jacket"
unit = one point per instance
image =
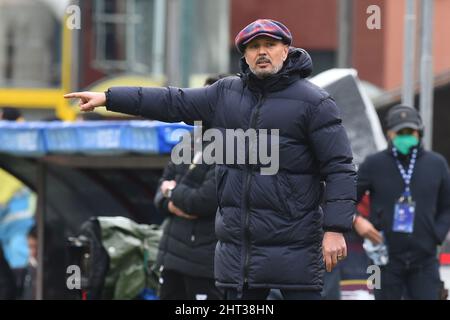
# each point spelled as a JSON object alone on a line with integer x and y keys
{"x": 269, "y": 227}
{"x": 187, "y": 246}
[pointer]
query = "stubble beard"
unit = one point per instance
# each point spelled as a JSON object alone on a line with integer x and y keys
{"x": 261, "y": 74}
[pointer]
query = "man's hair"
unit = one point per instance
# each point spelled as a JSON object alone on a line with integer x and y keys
{"x": 10, "y": 114}
{"x": 32, "y": 233}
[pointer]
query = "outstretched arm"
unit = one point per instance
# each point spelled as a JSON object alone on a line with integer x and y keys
{"x": 165, "y": 104}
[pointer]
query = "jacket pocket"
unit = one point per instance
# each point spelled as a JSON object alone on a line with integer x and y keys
{"x": 221, "y": 174}
{"x": 295, "y": 195}
{"x": 284, "y": 207}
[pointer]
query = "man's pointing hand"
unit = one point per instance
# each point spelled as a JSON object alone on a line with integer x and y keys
{"x": 88, "y": 100}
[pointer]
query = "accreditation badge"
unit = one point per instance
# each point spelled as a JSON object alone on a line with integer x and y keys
{"x": 404, "y": 212}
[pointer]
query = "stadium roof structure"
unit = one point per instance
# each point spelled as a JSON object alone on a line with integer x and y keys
{"x": 80, "y": 170}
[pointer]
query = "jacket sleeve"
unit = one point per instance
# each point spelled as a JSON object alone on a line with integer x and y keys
{"x": 165, "y": 104}
{"x": 331, "y": 148}
{"x": 442, "y": 221}
{"x": 201, "y": 201}
{"x": 364, "y": 183}
{"x": 160, "y": 202}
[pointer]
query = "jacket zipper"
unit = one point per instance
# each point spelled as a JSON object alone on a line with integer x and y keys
{"x": 193, "y": 231}
{"x": 248, "y": 174}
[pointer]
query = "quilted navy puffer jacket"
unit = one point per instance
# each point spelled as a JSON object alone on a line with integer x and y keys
{"x": 270, "y": 227}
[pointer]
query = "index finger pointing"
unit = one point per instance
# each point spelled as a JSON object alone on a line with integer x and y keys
{"x": 73, "y": 95}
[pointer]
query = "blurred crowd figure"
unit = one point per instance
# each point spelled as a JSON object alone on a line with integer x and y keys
{"x": 7, "y": 279}
{"x": 28, "y": 285}
{"x": 18, "y": 253}
{"x": 10, "y": 114}
{"x": 409, "y": 191}
{"x": 187, "y": 196}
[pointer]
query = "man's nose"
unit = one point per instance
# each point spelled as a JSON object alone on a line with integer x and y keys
{"x": 262, "y": 51}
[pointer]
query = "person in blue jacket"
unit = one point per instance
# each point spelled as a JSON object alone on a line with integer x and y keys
{"x": 272, "y": 230}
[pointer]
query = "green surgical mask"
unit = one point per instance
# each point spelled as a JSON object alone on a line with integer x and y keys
{"x": 405, "y": 142}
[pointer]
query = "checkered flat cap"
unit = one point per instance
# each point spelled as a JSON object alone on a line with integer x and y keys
{"x": 262, "y": 27}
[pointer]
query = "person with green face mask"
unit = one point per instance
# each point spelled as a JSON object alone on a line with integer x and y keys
{"x": 404, "y": 128}
{"x": 409, "y": 190}
{"x": 405, "y": 141}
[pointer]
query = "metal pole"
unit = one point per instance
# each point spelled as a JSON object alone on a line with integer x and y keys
{"x": 159, "y": 18}
{"x": 426, "y": 72}
{"x": 344, "y": 33}
{"x": 187, "y": 35}
{"x": 40, "y": 223}
{"x": 409, "y": 49}
{"x": 76, "y": 60}
{"x": 173, "y": 43}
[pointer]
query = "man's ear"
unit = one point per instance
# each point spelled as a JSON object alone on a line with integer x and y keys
{"x": 245, "y": 57}
{"x": 416, "y": 133}
{"x": 285, "y": 52}
{"x": 391, "y": 134}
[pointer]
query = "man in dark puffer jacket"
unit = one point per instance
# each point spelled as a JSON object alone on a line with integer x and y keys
{"x": 270, "y": 227}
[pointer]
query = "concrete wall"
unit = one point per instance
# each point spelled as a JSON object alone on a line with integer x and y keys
{"x": 28, "y": 55}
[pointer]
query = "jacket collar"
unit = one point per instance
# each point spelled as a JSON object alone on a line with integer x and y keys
{"x": 297, "y": 65}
